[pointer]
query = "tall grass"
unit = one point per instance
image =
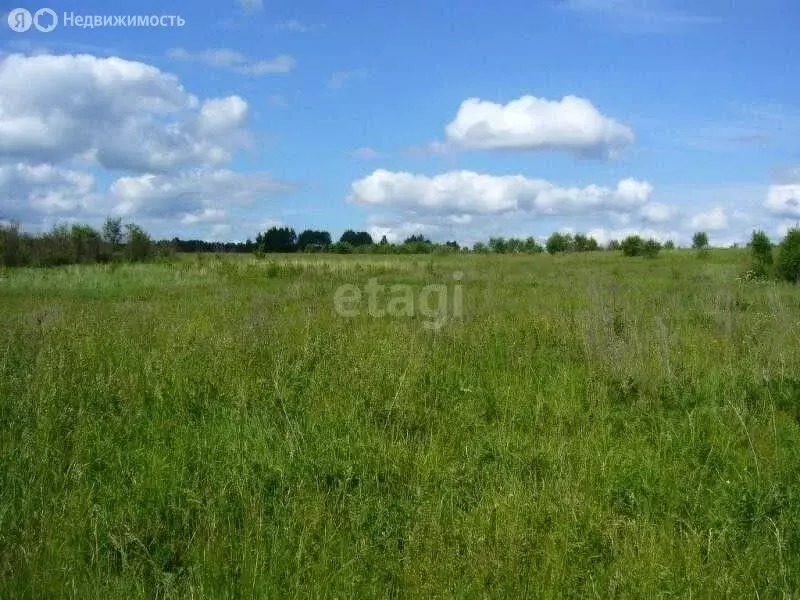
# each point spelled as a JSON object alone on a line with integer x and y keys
{"x": 593, "y": 427}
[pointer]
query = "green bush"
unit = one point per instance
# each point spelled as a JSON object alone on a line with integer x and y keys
{"x": 651, "y": 248}
{"x": 138, "y": 245}
{"x": 789, "y": 256}
{"x": 761, "y": 254}
{"x": 634, "y": 245}
{"x": 559, "y": 242}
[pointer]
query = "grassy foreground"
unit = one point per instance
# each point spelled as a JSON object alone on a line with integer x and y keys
{"x": 593, "y": 426}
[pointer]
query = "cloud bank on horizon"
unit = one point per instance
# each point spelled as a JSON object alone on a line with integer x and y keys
{"x": 189, "y": 139}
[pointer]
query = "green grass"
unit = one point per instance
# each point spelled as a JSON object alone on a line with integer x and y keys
{"x": 594, "y": 426}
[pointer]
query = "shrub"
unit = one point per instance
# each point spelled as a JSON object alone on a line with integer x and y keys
{"x": 789, "y": 256}
{"x": 633, "y": 245}
{"x": 559, "y": 242}
{"x": 11, "y": 252}
{"x": 584, "y": 243}
{"x": 761, "y": 253}
{"x": 651, "y": 248}
{"x": 138, "y": 245}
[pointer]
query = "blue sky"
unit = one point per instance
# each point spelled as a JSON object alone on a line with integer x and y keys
{"x": 457, "y": 120}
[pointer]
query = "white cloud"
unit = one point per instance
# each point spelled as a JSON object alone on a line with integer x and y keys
{"x": 34, "y": 193}
{"x": 194, "y": 195}
{"x": 603, "y": 235}
{"x": 398, "y": 232}
{"x": 571, "y": 125}
{"x": 206, "y": 215}
{"x": 714, "y": 219}
{"x": 225, "y": 58}
{"x": 118, "y": 113}
{"x": 43, "y": 190}
{"x": 784, "y": 200}
{"x": 466, "y": 192}
{"x": 655, "y": 212}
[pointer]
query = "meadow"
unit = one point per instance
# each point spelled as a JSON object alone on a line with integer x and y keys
{"x": 592, "y": 426}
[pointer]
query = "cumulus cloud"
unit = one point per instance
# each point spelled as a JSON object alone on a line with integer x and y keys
{"x": 465, "y": 192}
{"x": 35, "y": 193}
{"x": 224, "y": 58}
{"x": 784, "y": 200}
{"x": 194, "y": 196}
{"x": 206, "y": 215}
{"x": 655, "y": 212}
{"x": 714, "y": 219}
{"x": 570, "y": 125}
{"x": 399, "y": 232}
{"x": 120, "y": 114}
{"x": 43, "y": 190}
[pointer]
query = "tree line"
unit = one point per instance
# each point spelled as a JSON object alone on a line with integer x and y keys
{"x": 78, "y": 244}
{"x": 285, "y": 239}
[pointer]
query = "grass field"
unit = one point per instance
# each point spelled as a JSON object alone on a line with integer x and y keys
{"x": 592, "y": 427}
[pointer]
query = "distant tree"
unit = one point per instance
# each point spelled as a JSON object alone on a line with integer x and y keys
{"x": 112, "y": 233}
{"x": 789, "y": 256}
{"x": 515, "y": 245}
{"x": 614, "y": 245}
{"x": 57, "y": 247}
{"x": 86, "y": 244}
{"x": 277, "y": 239}
{"x": 532, "y": 246}
{"x": 498, "y": 245}
{"x": 11, "y": 246}
{"x": 700, "y": 241}
{"x": 761, "y": 252}
{"x": 417, "y": 244}
{"x": 452, "y": 245}
{"x": 313, "y": 240}
{"x": 384, "y": 241}
{"x": 138, "y": 245}
{"x": 669, "y": 245}
{"x": 559, "y": 242}
{"x": 633, "y": 245}
{"x": 356, "y": 238}
{"x": 584, "y": 243}
{"x": 417, "y": 239}
{"x": 480, "y": 248}
{"x": 651, "y": 248}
